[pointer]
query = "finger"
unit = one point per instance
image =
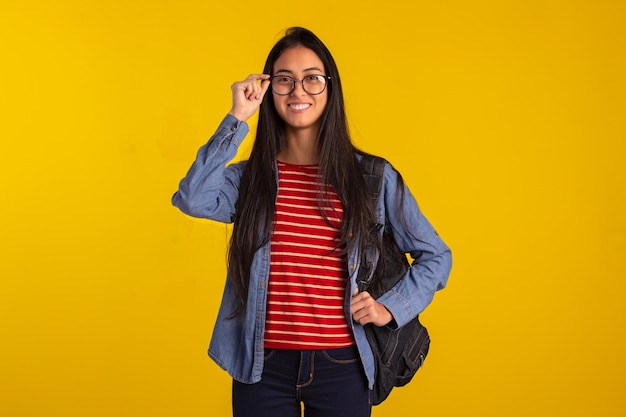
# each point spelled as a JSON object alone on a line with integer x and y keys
{"x": 249, "y": 82}
{"x": 362, "y": 296}
{"x": 250, "y": 92}
{"x": 360, "y": 301}
{"x": 254, "y": 90}
{"x": 262, "y": 87}
{"x": 251, "y": 87}
{"x": 357, "y": 310}
{"x": 265, "y": 85}
{"x": 362, "y": 319}
{"x": 241, "y": 90}
{"x": 257, "y": 90}
{"x": 358, "y": 318}
{"x": 256, "y": 77}
{"x": 356, "y": 302}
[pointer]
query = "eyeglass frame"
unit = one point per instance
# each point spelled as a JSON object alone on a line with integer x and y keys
{"x": 326, "y": 77}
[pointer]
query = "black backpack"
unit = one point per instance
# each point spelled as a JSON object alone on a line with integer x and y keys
{"x": 398, "y": 352}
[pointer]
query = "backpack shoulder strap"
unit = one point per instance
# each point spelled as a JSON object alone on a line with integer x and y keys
{"x": 373, "y": 166}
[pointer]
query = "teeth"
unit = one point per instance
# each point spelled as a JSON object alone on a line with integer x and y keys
{"x": 299, "y": 106}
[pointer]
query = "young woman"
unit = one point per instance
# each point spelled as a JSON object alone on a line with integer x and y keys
{"x": 290, "y": 327}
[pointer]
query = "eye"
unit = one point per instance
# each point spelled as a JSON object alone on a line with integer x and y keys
{"x": 314, "y": 79}
{"x": 283, "y": 79}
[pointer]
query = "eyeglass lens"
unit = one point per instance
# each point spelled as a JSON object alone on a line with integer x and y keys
{"x": 312, "y": 84}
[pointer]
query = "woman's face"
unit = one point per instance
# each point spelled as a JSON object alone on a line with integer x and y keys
{"x": 299, "y": 109}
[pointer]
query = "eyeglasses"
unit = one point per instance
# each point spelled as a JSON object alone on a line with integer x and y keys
{"x": 313, "y": 84}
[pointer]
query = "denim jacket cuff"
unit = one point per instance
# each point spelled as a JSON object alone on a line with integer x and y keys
{"x": 234, "y": 128}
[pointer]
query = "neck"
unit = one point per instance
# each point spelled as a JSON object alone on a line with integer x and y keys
{"x": 300, "y": 148}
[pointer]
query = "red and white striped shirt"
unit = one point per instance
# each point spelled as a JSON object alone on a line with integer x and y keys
{"x": 307, "y": 282}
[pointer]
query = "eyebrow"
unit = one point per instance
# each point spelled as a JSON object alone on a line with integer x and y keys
{"x": 304, "y": 70}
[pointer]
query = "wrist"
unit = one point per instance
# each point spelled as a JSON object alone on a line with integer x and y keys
{"x": 238, "y": 116}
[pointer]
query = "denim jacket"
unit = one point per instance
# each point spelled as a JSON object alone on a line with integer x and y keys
{"x": 210, "y": 190}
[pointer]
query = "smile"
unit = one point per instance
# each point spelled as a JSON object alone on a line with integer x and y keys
{"x": 299, "y": 106}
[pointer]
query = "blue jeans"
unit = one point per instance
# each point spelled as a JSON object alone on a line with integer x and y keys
{"x": 329, "y": 383}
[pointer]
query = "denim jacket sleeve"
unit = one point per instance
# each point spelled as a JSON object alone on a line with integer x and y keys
{"x": 210, "y": 188}
{"x": 413, "y": 233}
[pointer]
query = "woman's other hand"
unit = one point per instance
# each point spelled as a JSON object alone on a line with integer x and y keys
{"x": 365, "y": 309}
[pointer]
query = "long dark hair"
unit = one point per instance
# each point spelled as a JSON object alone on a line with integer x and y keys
{"x": 338, "y": 166}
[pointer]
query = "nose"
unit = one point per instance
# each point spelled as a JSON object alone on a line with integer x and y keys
{"x": 298, "y": 86}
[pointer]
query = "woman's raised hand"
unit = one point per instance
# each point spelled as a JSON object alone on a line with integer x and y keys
{"x": 248, "y": 95}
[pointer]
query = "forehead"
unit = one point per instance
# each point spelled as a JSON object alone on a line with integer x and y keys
{"x": 298, "y": 59}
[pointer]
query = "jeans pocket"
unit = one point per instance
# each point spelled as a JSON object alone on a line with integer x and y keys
{"x": 267, "y": 355}
{"x": 342, "y": 356}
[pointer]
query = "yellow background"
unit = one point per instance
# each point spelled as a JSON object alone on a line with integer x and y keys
{"x": 506, "y": 119}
